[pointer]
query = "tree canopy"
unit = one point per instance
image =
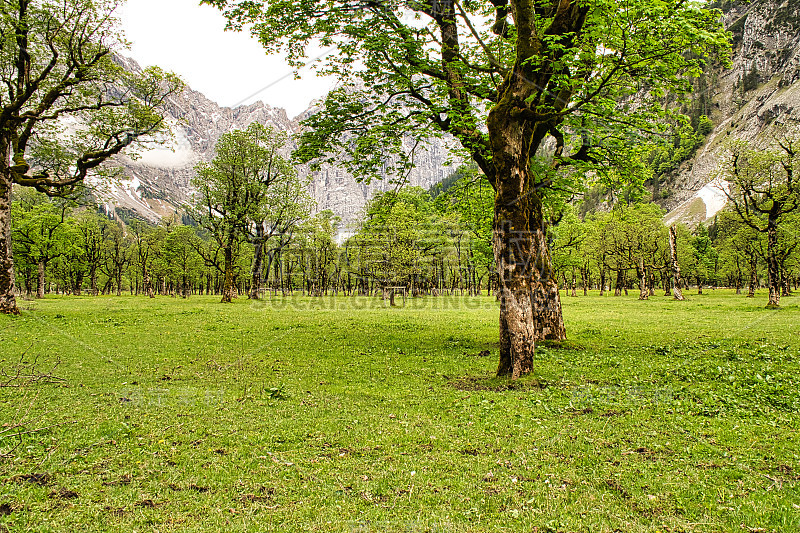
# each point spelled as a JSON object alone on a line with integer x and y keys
{"x": 66, "y": 103}
{"x": 542, "y": 95}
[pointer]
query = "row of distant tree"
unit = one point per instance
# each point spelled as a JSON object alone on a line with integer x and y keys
{"x": 251, "y": 237}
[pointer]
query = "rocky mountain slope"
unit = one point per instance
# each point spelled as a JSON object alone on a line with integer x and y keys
{"x": 753, "y": 101}
{"x": 157, "y": 182}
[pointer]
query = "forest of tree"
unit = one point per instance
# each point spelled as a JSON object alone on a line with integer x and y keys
{"x": 430, "y": 242}
{"x": 564, "y": 111}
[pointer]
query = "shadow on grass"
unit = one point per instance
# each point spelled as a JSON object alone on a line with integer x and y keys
{"x": 497, "y": 384}
{"x": 561, "y": 345}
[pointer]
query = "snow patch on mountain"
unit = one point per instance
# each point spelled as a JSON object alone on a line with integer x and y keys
{"x": 702, "y": 206}
{"x": 714, "y": 196}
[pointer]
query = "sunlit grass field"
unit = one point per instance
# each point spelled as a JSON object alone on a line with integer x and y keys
{"x": 346, "y": 415}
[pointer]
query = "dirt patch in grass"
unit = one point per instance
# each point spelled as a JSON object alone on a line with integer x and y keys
{"x": 149, "y": 504}
{"x": 619, "y": 489}
{"x": 7, "y": 508}
{"x": 42, "y": 479}
{"x": 125, "y": 479}
{"x": 63, "y": 494}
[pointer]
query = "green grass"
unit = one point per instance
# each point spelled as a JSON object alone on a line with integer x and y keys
{"x": 346, "y": 416}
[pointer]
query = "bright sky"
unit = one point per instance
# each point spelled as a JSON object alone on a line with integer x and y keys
{"x": 228, "y": 67}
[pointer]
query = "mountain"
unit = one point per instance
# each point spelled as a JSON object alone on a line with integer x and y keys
{"x": 157, "y": 181}
{"x": 754, "y": 100}
{"x": 749, "y": 101}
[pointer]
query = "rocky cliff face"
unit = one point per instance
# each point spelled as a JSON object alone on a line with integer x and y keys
{"x": 754, "y": 100}
{"x": 157, "y": 182}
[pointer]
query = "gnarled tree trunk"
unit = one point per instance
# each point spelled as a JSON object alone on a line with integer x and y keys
{"x": 258, "y": 263}
{"x": 676, "y": 268}
{"x": 8, "y": 302}
{"x": 751, "y": 288}
{"x": 773, "y": 266}
{"x": 147, "y": 283}
{"x": 228, "y": 285}
{"x": 40, "y": 281}
{"x": 530, "y": 305}
{"x": 641, "y": 272}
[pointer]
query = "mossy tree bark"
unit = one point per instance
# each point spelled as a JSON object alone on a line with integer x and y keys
{"x": 8, "y": 301}
{"x": 675, "y": 266}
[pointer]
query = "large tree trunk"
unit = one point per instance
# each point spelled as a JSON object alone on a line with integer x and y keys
{"x": 676, "y": 269}
{"x": 773, "y": 266}
{"x": 40, "y": 268}
{"x": 258, "y": 263}
{"x": 786, "y": 287}
{"x": 641, "y": 273}
{"x": 147, "y": 284}
{"x": 574, "y": 283}
{"x": 227, "y": 284}
{"x": 751, "y": 288}
{"x": 530, "y": 305}
{"x": 8, "y": 302}
{"x": 93, "y": 280}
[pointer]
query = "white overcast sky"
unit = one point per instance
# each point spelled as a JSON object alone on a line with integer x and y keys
{"x": 228, "y": 67}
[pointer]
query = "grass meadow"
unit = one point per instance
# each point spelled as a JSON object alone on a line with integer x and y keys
{"x": 127, "y": 414}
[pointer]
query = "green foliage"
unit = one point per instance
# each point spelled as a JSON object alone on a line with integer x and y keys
{"x": 568, "y": 242}
{"x": 399, "y": 236}
{"x": 704, "y": 126}
{"x": 317, "y": 251}
{"x": 249, "y": 191}
{"x": 68, "y": 104}
{"x": 413, "y": 83}
{"x": 40, "y": 229}
{"x": 685, "y": 140}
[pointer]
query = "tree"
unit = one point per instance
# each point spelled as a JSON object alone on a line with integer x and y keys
{"x": 764, "y": 194}
{"x": 145, "y": 246}
{"x": 705, "y": 258}
{"x": 180, "y": 258}
{"x": 739, "y": 246}
{"x": 538, "y": 94}
{"x": 41, "y": 233}
{"x": 568, "y": 247}
{"x": 248, "y": 189}
{"x": 396, "y": 238}
{"x": 66, "y": 106}
{"x": 318, "y": 248}
{"x": 468, "y": 195}
{"x": 116, "y": 255}
{"x": 675, "y": 267}
{"x": 636, "y": 239}
{"x": 90, "y": 244}
{"x": 280, "y": 201}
